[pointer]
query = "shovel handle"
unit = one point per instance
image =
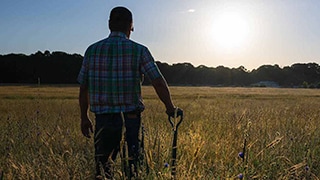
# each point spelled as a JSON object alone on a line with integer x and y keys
{"x": 174, "y": 145}
{"x": 175, "y": 125}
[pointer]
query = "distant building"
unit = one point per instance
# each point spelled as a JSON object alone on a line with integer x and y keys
{"x": 266, "y": 84}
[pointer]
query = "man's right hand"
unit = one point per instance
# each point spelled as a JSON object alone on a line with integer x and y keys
{"x": 175, "y": 112}
{"x": 86, "y": 127}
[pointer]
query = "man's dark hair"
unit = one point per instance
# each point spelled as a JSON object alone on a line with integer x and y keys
{"x": 120, "y": 19}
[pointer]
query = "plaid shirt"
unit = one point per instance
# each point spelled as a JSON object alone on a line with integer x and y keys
{"x": 113, "y": 69}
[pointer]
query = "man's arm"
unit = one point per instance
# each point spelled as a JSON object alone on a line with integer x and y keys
{"x": 86, "y": 124}
{"x": 162, "y": 90}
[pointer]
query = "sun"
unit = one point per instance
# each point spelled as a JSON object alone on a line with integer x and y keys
{"x": 230, "y": 30}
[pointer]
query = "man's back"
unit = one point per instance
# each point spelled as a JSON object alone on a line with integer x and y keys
{"x": 114, "y": 71}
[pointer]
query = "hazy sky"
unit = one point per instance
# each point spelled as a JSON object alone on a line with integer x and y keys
{"x": 202, "y": 32}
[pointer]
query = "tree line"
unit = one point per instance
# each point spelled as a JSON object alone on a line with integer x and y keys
{"x": 62, "y": 68}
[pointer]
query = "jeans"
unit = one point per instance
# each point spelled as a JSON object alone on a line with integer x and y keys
{"x": 108, "y": 134}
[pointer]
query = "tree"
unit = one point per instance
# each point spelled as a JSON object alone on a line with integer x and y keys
{"x": 60, "y": 67}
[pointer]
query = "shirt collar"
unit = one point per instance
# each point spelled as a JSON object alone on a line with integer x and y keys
{"x": 118, "y": 33}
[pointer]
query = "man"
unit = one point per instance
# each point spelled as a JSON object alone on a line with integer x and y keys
{"x": 110, "y": 84}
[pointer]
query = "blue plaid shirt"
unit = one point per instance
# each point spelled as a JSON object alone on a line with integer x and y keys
{"x": 113, "y": 69}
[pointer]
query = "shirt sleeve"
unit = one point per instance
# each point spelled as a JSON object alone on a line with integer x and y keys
{"x": 149, "y": 66}
{"x": 83, "y": 74}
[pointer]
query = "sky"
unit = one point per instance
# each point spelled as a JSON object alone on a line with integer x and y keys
{"x": 230, "y": 33}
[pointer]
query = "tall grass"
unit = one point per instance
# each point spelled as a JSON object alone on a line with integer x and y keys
{"x": 276, "y": 131}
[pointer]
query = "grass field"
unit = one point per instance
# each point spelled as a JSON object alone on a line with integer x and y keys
{"x": 276, "y": 132}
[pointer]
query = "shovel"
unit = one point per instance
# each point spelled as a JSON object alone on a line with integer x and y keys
{"x": 175, "y": 126}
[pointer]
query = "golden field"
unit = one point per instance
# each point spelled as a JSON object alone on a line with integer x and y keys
{"x": 277, "y": 131}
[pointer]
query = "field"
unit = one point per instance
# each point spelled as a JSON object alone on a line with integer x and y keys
{"x": 227, "y": 133}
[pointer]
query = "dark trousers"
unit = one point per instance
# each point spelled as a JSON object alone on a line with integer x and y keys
{"x": 108, "y": 133}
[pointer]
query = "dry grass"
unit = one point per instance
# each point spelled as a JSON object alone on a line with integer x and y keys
{"x": 277, "y": 129}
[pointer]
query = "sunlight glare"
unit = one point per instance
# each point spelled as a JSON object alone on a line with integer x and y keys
{"x": 230, "y": 30}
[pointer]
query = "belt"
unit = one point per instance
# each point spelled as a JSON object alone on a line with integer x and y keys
{"x": 130, "y": 114}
